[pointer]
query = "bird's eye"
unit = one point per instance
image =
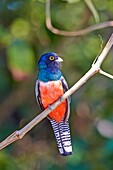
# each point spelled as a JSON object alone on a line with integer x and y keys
{"x": 51, "y": 58}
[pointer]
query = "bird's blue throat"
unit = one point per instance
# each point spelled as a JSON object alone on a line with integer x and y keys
{"x": 49, "y": 74}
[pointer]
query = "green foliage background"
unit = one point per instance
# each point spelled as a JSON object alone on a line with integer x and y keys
{"x": 23, "y": 38}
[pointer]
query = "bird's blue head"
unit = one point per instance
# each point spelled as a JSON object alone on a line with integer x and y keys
{"x": 48, "y": 60}
{"x": 49, "y": 67}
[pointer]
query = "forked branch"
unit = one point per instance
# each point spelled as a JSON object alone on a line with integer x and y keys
{"x": 93, "y": 70}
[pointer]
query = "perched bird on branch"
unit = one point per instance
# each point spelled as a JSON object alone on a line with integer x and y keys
{"x": 50, "y": 85}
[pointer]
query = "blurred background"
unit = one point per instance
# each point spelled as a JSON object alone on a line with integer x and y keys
{"x": 23, "y": 38}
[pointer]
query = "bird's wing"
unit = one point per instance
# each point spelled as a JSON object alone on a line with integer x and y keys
{"x": 37, "y": 93}
{"x": 65, "y": 87}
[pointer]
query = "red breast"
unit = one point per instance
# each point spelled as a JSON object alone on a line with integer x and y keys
{"x": 49, "y": 93}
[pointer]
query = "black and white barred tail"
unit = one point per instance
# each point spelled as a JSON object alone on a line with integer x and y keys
{"x": 63, "y": 138}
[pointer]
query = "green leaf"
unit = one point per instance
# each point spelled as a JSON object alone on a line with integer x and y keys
{"x": 5, "y": 37}
{"x": 7, "y": 162}
{"x": 71, "y": 1}
{"x": 20, "y": 57}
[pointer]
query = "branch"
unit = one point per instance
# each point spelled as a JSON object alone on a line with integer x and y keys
{"x": 73, "y": 33}
{"x": 105, "y": 74}
{"x": 93, "y": 70}
{"x": 93, "y": 10}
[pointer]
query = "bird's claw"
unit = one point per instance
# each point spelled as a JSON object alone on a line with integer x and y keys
{"x": 60, "y": 98}
{"x": 49, "y": 106}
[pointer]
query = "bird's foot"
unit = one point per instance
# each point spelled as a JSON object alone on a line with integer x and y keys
{"x": 60, "y": 98}
{"x": 49, "y": 106}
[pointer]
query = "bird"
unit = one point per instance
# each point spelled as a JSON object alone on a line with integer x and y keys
{"x": 50, "y": 86}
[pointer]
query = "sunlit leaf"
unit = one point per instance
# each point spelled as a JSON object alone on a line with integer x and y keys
{"x": 20, "y": 28}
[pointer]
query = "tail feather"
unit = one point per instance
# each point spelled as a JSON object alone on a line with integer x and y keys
{"x": 63, "y": 138}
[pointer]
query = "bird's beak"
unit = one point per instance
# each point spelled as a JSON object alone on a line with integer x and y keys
{"x": 59, "y": 60}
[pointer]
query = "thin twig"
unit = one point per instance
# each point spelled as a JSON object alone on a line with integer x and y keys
{"x": 94, "y": 69}
{"x": 93, "y": 10}
{"x": 106, "y": 74}
{"x": 73, "y": 33}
